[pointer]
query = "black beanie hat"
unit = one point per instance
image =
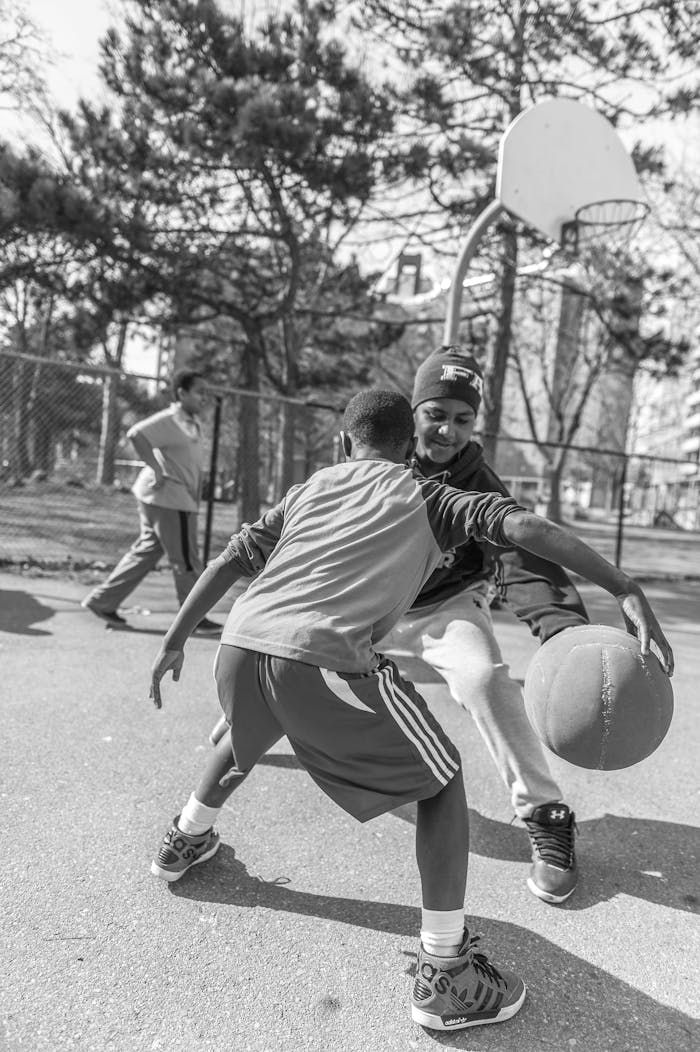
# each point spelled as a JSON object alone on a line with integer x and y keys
{"x": 449, "y": 372}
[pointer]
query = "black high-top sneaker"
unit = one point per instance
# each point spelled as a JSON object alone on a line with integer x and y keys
{"x": 552, "y": 831}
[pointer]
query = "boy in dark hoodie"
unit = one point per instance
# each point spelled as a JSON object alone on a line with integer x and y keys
{"x": 335, "y": 564}
{"x": 450, "y": 627}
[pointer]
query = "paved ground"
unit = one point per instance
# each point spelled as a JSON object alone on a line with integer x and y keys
{"x": 301, "y": 933}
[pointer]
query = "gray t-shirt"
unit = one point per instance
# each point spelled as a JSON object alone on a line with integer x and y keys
{"x": 177, "y": 446}
{"x": 343, "y": 557}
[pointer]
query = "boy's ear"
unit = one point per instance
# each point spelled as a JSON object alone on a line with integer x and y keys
{"x": 346, "y": 444}
{"x": 411, "y": 448}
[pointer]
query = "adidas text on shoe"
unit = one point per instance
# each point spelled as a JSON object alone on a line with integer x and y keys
{"x": 179, "y": 851}
{"x": 552, "y": 831}
{"x": 111, "y": 618}
{"x": 452, "y": 993}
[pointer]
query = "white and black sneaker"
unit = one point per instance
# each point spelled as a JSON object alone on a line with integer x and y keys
{"x": 452, "y": 993}
{"x": 552, "y": 831}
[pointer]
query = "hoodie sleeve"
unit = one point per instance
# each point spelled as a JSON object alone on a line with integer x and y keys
{"x": 538, "y": 592}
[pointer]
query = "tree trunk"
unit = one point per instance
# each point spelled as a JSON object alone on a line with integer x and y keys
{"x": 496, "y": 371}
{"x": 44, "y": 450}
{"x": 566, "y": 354}
{"x": 249, "y": 434}
{"x": 554, "y": 476}
{"x": 20, "y": 458}
{"x": 289, "y": 409}
{"x": 287, "y": 447}
{"x": 109, "y": 431}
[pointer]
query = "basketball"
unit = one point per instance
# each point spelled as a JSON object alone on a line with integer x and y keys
{"x": 595, "y": 700}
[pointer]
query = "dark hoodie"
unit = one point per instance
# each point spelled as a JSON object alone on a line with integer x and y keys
{"x": 538, "y": 592}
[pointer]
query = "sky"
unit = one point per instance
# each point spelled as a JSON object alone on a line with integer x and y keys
{"x": 73, "y": 29}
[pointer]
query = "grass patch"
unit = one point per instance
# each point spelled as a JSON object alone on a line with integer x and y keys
{"x": 53, "y": 525}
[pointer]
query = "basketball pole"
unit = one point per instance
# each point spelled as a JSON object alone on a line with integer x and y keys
{"x": 454, "y": 300}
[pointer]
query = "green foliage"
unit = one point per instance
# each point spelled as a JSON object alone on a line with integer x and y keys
{"x": 229, "y": 161}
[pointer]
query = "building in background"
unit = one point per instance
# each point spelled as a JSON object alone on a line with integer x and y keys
{"x": 644, "y": 417}
{"x": 666, "y": 491}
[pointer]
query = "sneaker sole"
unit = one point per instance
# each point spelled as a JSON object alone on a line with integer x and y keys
{"x": 548, "y": 896}
{"x": 434, "y": 1022}
{"x": 170, "y": 876}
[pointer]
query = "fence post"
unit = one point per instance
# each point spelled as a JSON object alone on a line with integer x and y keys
{"x": 621, "y": 512}
{"x": 213, "y": 467}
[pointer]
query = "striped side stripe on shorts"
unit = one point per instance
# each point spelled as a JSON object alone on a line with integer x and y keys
{"x": 414, "y": 725}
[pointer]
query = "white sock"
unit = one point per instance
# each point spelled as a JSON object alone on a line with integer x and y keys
{"x": 442, "y": 932}
{"x": 196, "y": 818}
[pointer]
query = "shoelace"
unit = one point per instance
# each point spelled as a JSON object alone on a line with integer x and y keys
{"x": 554, "y": 844}
{"x": 481, "y": 962}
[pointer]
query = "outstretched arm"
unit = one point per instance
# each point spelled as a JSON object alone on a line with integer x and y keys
{"x": 211, "y": 586}
{"x": 559, "y": 545}
{"x": 244, "y": 556}
{"x": 539, "y": 593}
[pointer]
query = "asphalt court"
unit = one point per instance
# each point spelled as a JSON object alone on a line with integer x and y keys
{"x": 301, "y": 933}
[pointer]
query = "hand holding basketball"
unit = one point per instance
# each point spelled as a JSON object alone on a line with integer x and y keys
{"x": 641, "y": 621}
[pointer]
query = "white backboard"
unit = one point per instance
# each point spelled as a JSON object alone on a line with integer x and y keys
{"x": 558, "y": 156}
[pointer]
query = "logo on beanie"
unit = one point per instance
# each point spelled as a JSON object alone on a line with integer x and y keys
{"x": 451, "y": 373}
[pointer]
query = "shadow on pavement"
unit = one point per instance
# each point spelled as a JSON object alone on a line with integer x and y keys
{"x": 135, "y": 630}
{"x": 650, "y": 860}
{"x": 20, "y": 610}
{"x": 568, "y": 996}
{"x": 128, "y": 626}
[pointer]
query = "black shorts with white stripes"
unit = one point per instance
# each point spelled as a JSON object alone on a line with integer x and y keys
{"x": 368, "y": 740}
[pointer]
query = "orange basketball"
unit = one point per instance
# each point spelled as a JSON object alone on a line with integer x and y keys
{"x": 595, "y": 700}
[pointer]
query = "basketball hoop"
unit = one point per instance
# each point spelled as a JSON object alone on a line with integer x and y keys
{"x": 603, "y": 226}
{"x": 563, "y": 171}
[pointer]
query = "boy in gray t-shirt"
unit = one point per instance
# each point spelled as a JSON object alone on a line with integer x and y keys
{"x": 336, "y": 563}
{"x": 167, "y": 492}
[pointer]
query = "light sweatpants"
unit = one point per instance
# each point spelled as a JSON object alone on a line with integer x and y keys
{"x": 456, "y": 638}
{"x": 164, "y": 531}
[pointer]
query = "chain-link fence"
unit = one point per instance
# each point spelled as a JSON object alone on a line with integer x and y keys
{"x": 595, "y": 482}
{"x": 66, "y": 467}
{"x": 66, "y": 470}
{"x": 640, "y": 511}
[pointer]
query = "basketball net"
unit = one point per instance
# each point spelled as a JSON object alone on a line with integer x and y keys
{"x": 598, "y": 239}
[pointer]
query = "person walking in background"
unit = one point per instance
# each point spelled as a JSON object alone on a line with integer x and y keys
{"x": 167, "y": 492}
